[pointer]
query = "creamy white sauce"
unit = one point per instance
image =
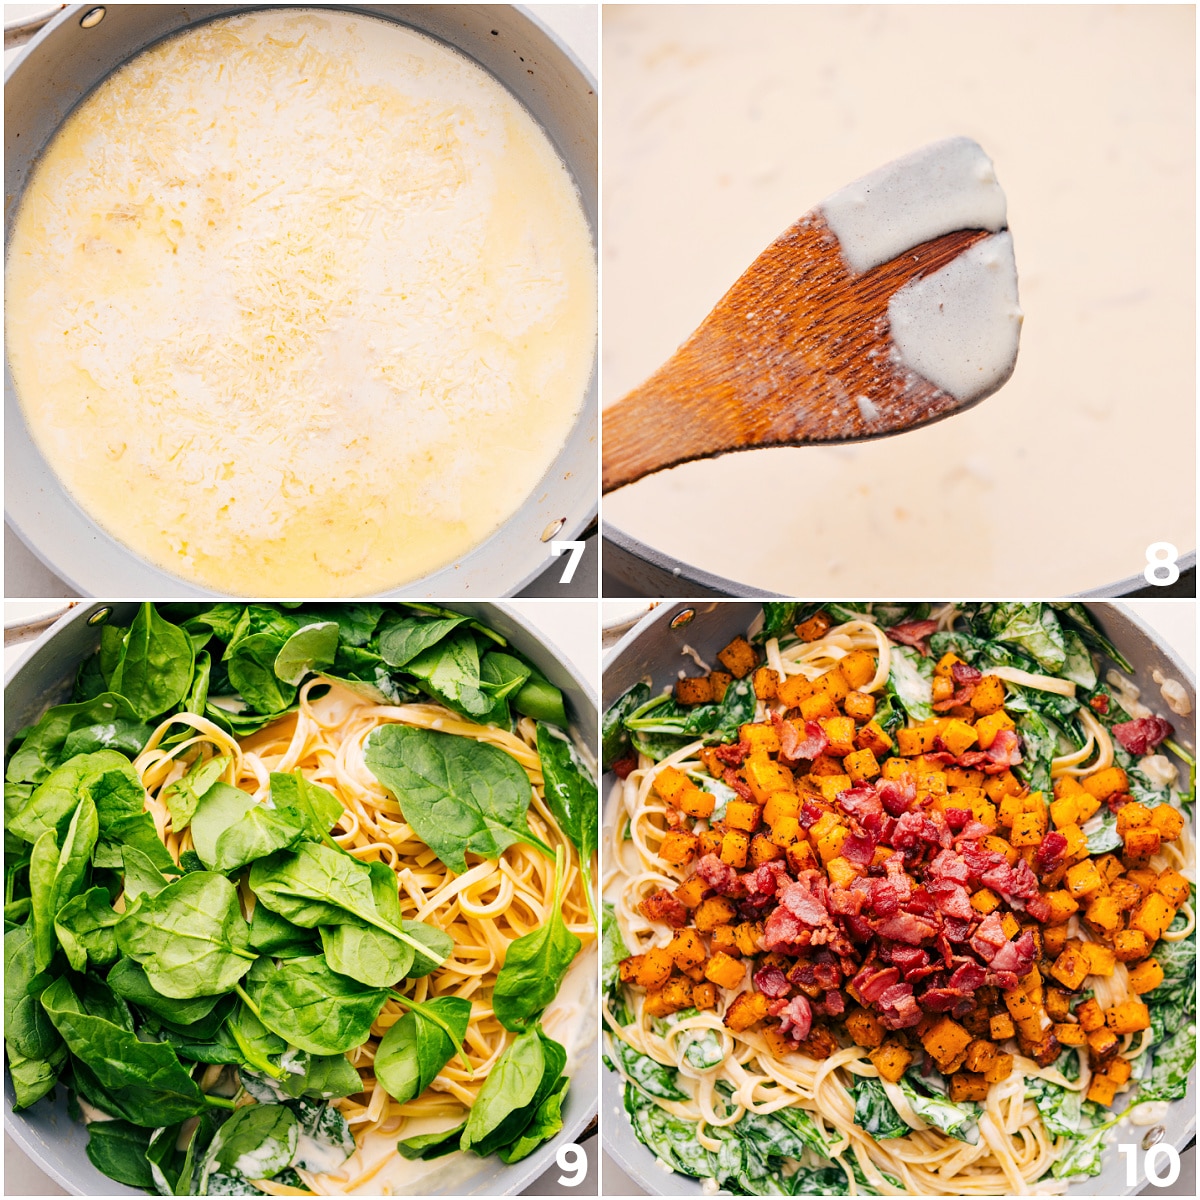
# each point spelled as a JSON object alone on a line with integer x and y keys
{"x": 1127, "y": 693}
{"x": 723, "y": 124}
{"x": 960, "y": 326}
{"x": 1159, "y": 769}
{"x": 1173, "y": 692}
{"x": 300, "y": 302}
{"x": 1150, "y": 1113}
{"x": 938, "y": 189}
{"x": 318, "y": 1157}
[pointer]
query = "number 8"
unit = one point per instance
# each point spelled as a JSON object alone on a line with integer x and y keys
{"x": 572, "y": 1159}
{"x": 1160, "y": 557}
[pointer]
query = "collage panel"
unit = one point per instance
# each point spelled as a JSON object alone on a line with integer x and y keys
{"x": 287, "y": 913}
{"x": 899, "y": 899}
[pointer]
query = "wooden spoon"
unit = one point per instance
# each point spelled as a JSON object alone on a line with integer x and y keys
{"x": 800, "y": 350}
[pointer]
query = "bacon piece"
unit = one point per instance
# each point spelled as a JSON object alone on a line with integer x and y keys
{"x": 872, "y": 981}
{"x": 948, "y": 867}
{"x": 860, "y": 802}
{"x": 885, "y": 898}
{"x": 1016, "y": 957}
{"x": 956, "y": 818}
{"x": 1016, "y": 883}
{"x": 799, "y": 899}
{"x": 955, "y": 930}
{"x": 952, "y": 899}
{"x": 846, "y": 902}
{"x": 832, "y": 1004}
{"x": 1100, "y": 704}
{"x": 783, "y": 932}
{"x": 826, "y": 972}
{"x": 907, "y": 927}
{"x": 810, "y": 814}
{"x": 796, "y": 1018}
{"x": 732, "y": 756}
{"x": 792, "y": 746}
{"x": 1038, "y": 908}
{"x": 772, "y": 982}
{"x": 962, "y": 672}
{"x": 624, "y": 766}
{"x": 907, "y": 958}
{"x": 1142, "y": 735}
{"x": 914, "y": 830}
{"x": 919, "y": 901}
{"x": 913, "y": 633}
{"x": 764, "y": 882}
{"x": 897, "y": 795}
{"x": 968, "y": 976}
{"x": 859, "y": 928}
{"x": 739, "y": 785}
{"x": 1003, "y": 753}
{"x": 973, "y": 831}
{"x": 662, "y": 906}
{"x": 1050, "y": 853}
{"x": 989, "y": 937}
{"x": 719, "y": 876}
{"x": 859, "y": 848}
{"x": 897, "y": 1007}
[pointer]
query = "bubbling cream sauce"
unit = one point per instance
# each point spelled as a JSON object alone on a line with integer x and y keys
{"x": 723, "y": 124}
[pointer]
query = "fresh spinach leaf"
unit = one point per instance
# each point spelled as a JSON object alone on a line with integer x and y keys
{"x": 118, "y": 1149}
{"x": 42, "y": 748}
{"x": 1059, "y": 1107}
{"x": 56, "y": 875}
{"x": 85, "y": 929}
{"x": 403, "y": 638}
{"x": 432, "y": 1145}
{"x": 449, "y": 672}
{"x": 875, "y": 1113}
{"x": 274, "y": 935}
{"x": 930, "y": 1102}
{"x": 1174, "y": 1059}
{"x": 311, "y": 648}
{"x": 155, "y": 669}
{"x": 320, "y": 808}
{"x": 366, "y": 954}
{"x": 142, "y": 876}
{"x": 53, "y": 801}
{"x": 571, "y": 795}
{"x": 911, "y": 681}
{"x": 258, "y": 832}
{"x": 257, "y": 1141}
{"x": 540, "y": 699}
{"x": 438, "y": 943}
{"x": 27, "y": 1029}
{"x": 139, "y": 832}
{"x": 414, "y": 1049}
{"x": 129, "y": 981}
{"x": 502, "y": 675}
{"x": 547, "y": 1121}
{"x": 317, "y": 1076}
{"x": 183, "y": 796}
{"x": 251, "y": 666}
{"x": 614, "y": 737}
{"x": 458, "y": 794}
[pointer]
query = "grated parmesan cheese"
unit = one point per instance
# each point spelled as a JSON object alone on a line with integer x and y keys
{"x": 300, "y": 302}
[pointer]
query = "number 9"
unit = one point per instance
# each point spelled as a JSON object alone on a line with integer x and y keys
{"x": 573, "y": 1160}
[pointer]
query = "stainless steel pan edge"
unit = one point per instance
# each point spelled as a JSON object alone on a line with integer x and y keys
{"x": 652, "y": 650}
{"x": 48, "y": 1135}
{"x": 64, "y": 62}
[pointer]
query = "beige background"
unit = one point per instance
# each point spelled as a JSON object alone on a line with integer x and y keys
{"x": 723, "y": 124}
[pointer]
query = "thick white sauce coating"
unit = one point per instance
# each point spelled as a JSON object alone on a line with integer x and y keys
{"x": 942, "y": 187}
{"x": 300, "y": 302}
{"x": 723, "y": 124}
{"x": 960, "y": 326}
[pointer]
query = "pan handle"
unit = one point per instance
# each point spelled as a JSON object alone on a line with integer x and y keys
{"x": 20, "y": 29}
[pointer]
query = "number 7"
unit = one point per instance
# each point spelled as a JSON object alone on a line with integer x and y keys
{"x": 575, "y": 550}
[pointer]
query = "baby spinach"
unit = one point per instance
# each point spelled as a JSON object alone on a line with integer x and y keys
{"x": 272, "y": 934}
{"x": 182, "y": 796}
{"x": 312, "y": 1007}
{"x": 930, "y": 1101}
{"x": 366, "y": 954}
{"x": 311, "y": 648}
{"x": 614, "y": 737}
{"x": 55, "y": 875}
{"x": 320, "y": 808}
{"x": 27, "y": 1028}
{"x": 1059, "y": 1107}
{"x": 58, "y": 795}
{"x": 219, "y": 808}
{"x": 1174, "y": 1059}
{"x": 540, "y": 699}
{"x": 321, "y": 1126}
{"x": 257, "y": 833}
{"x": 547, "y": 1121}
{"x": 119, "y": 1150}
{"x": 317, "y": 1076}
{"x": 439, "y": 945}
{"x": 651, "y": 1076}
{"x": 142, "y": 876}
{"x": 257, "y": 1141}
{"x": 138, "y": 831}
{"x": 85, "y": 929}
{"x": 458, "y": 794}
{"x": 130, "y": 981}
{"x": 155, "y": 667}
{"x": 874, "y": 1112}
{"x": 190, "y": 938}
{"x": 571, "y": 796}
{"x": 403, "y": 638}
{"x": 449, "y": 672}
{"x": 535, "y": 964}
{"x": 910, "y": 681}
{"x": 414, "y": 1049}
{"x": 432, "y": 1145}
{"x": 502, "y": 675}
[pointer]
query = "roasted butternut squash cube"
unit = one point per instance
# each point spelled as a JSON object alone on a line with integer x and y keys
{"x": 720, "y": 681}
{"x": 985, "y": 901}
{"x": 678, "y": 993}
{"x": 829, "y": 845}
{"x": 696, "y": 690}
{"x": 766, "y": 683}
{"x": 1000, "y": 1069}
{"x": 833, "y": 683}
{"x": 1102, "y": 1043}
{"x": 1077, "y": 847}
{"x": 988, "y": 696}
{"x": 1058, "y": 1004}
{"x": 1168, "y": 821}
{"x": 832, "y": 786}
{"x": 1146, "y": 976}
{"x": 678, "y": 847}
{"x": 817, "y": 626}
{"x": 1152, "y": 916}
{"x": 1011, "y": 807}
{"x": 795, "y": 691}
{"x": 825, "y": 764}
{"x": 842, "y": 873}
{"x": 748, "y": 935}
{"x": 1020, "y": 1006}
{"x": 1125, "y": 893}
{"x": 1002, "y": 1027}
{"x": 785, "y": 832}
{"x": 997, "y": 845}
{"x": 1089, "y": 806}
{"x": 1070, "y": 968}
{"x": 725, "y": 971}
{"x": 1100, "y": 959}
{"x": 735, "y": 848}
{"x": 1110, "y": 867}
{"x": 747, "y": 1009}
{"x": 860, "y": 706}
{"x": 1130, "y": 944}
{"x": 801, "y": 857}
{"x": 1083, "y": 879}
{"x": 818, "y": 706}
{"x": 655, "y": 968}
{"x": 898, "y": 769}
{"x": 1090, "y": 1015}
{"x": 1112, "y": 781}
{"x": 1129, "y": 1016}
{"x": 1119, "y": 1070}
{"x": 945, "y": 1040}
{"x": 724, "y": 938}
{"x": 709, "y": 842}
{"x": 840, "y": 732}
{"x": 959, "y": 737}
{"x": 916, "y": 740}
{"x": 657, "y": 1005}
{"x": 988, "y": 726}
{"x": 944, "y": 666}
{"x": 1064, "y": 811}
{"x": 1141, "y": 845}
{"x": 980, "y": 1054}
{"x": 781, "y": 804}
{"x": 968, "y": 1086}
{"x": 1102, "y": 1090}
{"x": 691, "y": 891}
{"x": 704, "y": 996}
{"x": 1171, "y": 885}
{"x": 778, "y": 1043}
{"x": 861, "y": 765}
{"x": 1103, "y": 915}
{"x": 891, "y": 1060}
{"x": 1010, "y": 926}
{"x": 1132, "y": 816}
{"x": 1144, "y": 877}
{"x": 742, "y": 815}
{"x": 696, "y": 803}
{"x": 1062, "y": 907}
{"x": 760, "y": 736}
{"x": 714, "y": 911}
{"x": 686, "y": 948}
{"x": 859, "y": 668}
{"x": 764, "y": 777}
{"x": 865, "y": 1028}
{"x": 999, "y": 786}
{"x": 670, "y": 783}
{"x": 872, "y": 737}
{"x": 1070, "y": 1034}
{"x": 738, "y": 658}
{"x": 1054, "y": 938}
{"x": 628, "y": 968}
{"x": 763, "y": 850}
{"x": 1029, "y": 828}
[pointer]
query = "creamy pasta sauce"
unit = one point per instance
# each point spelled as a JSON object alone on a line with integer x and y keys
{"x": 723, "y": 124}
{"x": 300, "y": 302}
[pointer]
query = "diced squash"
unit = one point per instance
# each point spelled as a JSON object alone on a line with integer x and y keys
{"x": 865, "y": 1028}
{"x": 968, "y": 1086}
{"x": 1110, "y": 867}
{"x": 763, "y": 850}
{"x": 670, "y": 783}
{"x": 988, "y": 726}
{"x": 945, "y": 665}
{"x": 694, "y": 690}
{"x": 735, "y": 848}
{"x": 860, "y": 706}
{"x": 817, "y": 626}
{"x": 872, "y": 737}
{"x": 738, "y": 658}
{"x": 697, "y": 804}
{"x": 709, "y": 842}
{"x": 714, "y": 911}
{"x": 999, "y": 846}
{"x": 628, "y": 968}
{"x": 794, "y": 691}
{"x": 1124, "y": 892}
{"x": 766, "y": 683}
{"x": 1119, "y": 1070}
{"x": 999, "y": 786}
{"x": 816, "y": 705}
{"x": 1011, "y": 807}
{"x": 1130, "y": 944}
{"x": 742, "y": 815}
{"x": 832, "y": 786}
{"x": 985, "y": 901}
{"x": 1019, "y": 1005}
{"x": 764, "y": 776}
{"x": 686, "y": 948}
{"x": 959, "y": 737}
{"x": 785, "y": 832}
{"x": 720, "y": 681}
{"x": 1168, "y": 821}
{"x": 1069, "y": 1034}
{"x": 1089, "y": 805}
{"x": 1054, "y": 938}
{"x": 861, "y": 765}
{"x": 829, "y": 845}
{"x": 1010, "y": 925}
{"x": 826, "y": 764}
{"x": 980, "y": 1054}
{"x": 988, "y": 696}
{"x": 945, "y": 1040}
{"x": 1062, "y": 906}
{"x": 781, "y": 804}
{"x": 859, "y": 668}
{"x": 842, "y": 873}
{"x": 917, "y": 740}
{"x": 657, "y": 1005}
{"x": 1103, "y": 914}
{"x": 1029, "y": 828}
{"x": 1132, "y": 816}
{"x": 678, "y": 847}
{"x": 1100, "y": 959}
{"x": 1171, "y": 884}
{"x": 1000, "y": 1069}
{"x": 723, "y": 970}
{"x": 1077, "y": 847}
{"x": 1141, "y": 845}
{"x": 747, "y": 1009}
{"x": 1002, "y": 1027}
{"x": 891, "y": 1060}
{"x": 1112, "y": 781}
{"x": 691, "y": 891}
{"x": 840, "y": 731}
{"x": 704, "y": 995}
{"x": 760, "y": 736}
{"x": 1083, "y": 879}
{"x": 1102, "y": 1090}
{"x": 724, "y": 938}
{"x": 1070, "y": 968}
{"x": 1129, "y": 1016}
{"x": 1064, "y": 811}
{"x": 1058, "y": 1004}
{"x": 1145, "y": 878}
{"x": 678, "y": 993}
{"x": 1152, "y": 916}
{"x": 1090, "y": 1015}
{"x": 833, "y": 683}
{"x": 655, "y": 968}
{"x": 1101, "y": 1043}
{"x": 1146, "y": 976}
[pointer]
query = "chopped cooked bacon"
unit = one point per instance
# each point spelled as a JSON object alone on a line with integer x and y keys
{"x": 1050, "y": 853}
{"x": 859, "y": 848}
{"x": 962, "y": 672}
{"x": 1100, "y": 704}
{"x": 1016, "y": 957}
{"x": 859, "y": 928}
{"x": 968, "y": 976}
{"x": 949, "y": 866}
{"x": 913, "y": 830}
{"x": 860, "y": 802}
{"x": 952, "y": 899}
{"x": 907, "y": 958}
{"x": 846, "y": 902}
{"x": 1016, "y": 883}
{"x": 810, "y": 814}
{"x": 772, "y": 982}
{"x": 764, "y": 881}
{"x": 973, "y": 831}
{"x": 783, "y": 931}
{"x": 872, "y": 981}
{"x": 739, "y": 785}
{"x": 1142, "y": 735}
{"x": 897, "y": 1007}
{"x": 799, "y": 899}
{"x": 1005, "y": 751}
{"x": 1038, "y": 908}
{"x": 796, "y": 1018}
{"x": 907, "y": 927}
{"x": 989, "y": 937}
{"x": 832, "y": 1004}
{"x": 956, "y": 818}
{"x": 623, "y": 767}
{"x": 957, "y": 1003}
{"x": 719, "y": 876}
{"x": 919, "y": 901}
{"x": 956, "y": 930}
{"x": 792, "y": 746}
{"x": 913, "y": 633}
{"x": 897, "y": 795}
{"x": 734, "y": 755}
